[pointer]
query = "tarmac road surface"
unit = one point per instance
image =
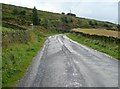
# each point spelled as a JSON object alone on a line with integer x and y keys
{"x": 63, "y": 62}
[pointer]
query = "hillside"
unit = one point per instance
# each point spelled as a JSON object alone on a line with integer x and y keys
{"x": 23, "y": 16}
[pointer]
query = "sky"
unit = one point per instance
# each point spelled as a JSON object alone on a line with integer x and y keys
{"x": 104, "y": 10}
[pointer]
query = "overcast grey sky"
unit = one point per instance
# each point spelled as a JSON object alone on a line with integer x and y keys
{"x": 106, "y": 10}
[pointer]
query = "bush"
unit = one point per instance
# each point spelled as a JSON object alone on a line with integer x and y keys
{"x": 18, "y": 36}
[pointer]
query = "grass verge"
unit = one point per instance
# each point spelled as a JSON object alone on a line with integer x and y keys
{"x": 18, "y": 56}
{"x": 108, "y": 48}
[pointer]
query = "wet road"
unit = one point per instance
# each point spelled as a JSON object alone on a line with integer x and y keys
{"x": 65, "y": 63}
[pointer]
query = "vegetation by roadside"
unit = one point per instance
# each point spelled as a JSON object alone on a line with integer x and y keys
{"x": 106, "y": 47}
{"x": 18, "y": 56}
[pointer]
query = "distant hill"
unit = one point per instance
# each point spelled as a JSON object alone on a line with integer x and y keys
{"x": 22, "y": 16}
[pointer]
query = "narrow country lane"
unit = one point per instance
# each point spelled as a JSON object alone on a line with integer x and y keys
{"x": 63, "y": 62}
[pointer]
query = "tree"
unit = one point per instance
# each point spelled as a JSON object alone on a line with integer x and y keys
{"x": 35, "y": 17}
{"x": 63, "y": 13}
{"x": 71, "y": 14}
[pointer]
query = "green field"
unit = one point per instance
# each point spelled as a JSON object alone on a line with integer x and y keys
{"x": 101, "y": 32}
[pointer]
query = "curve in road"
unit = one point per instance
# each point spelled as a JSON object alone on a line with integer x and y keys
{"x": 63, "y": 62}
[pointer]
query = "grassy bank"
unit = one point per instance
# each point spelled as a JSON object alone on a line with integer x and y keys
{"x": 108, "y": 48}
{"x": 18, "y": 56}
